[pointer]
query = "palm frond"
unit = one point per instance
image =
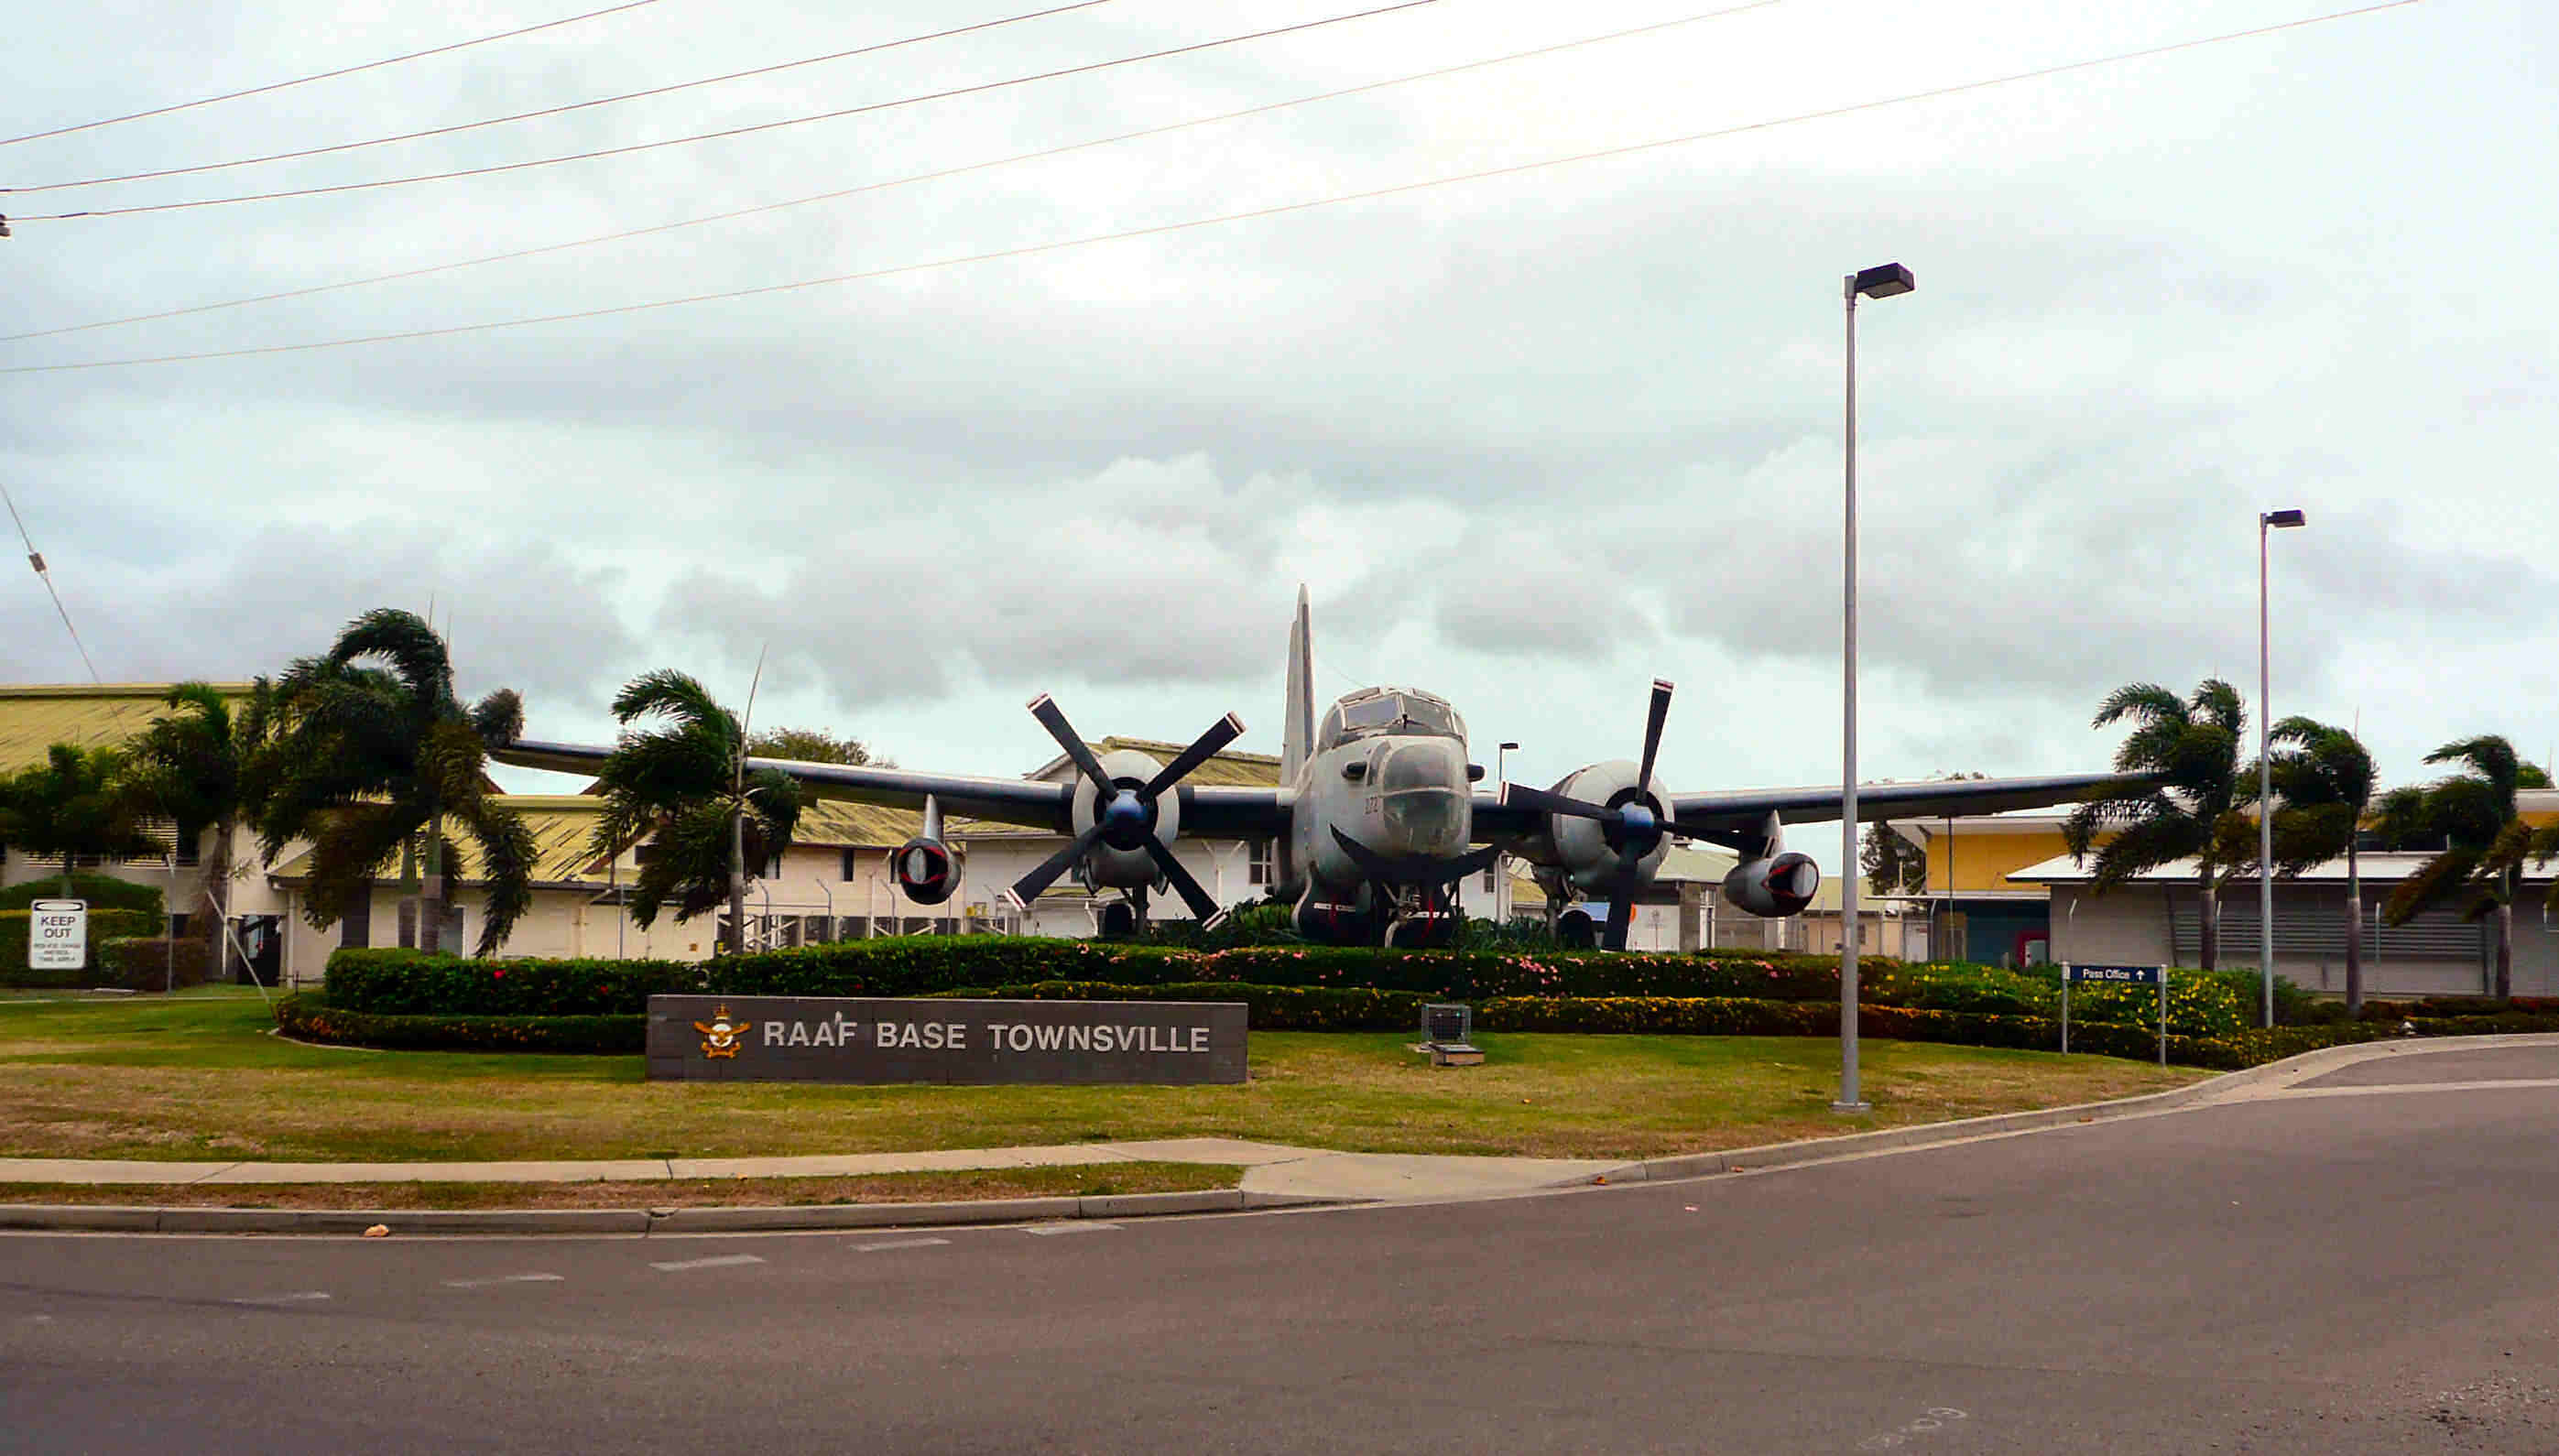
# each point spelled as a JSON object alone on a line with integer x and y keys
{"x": 507, "y": 857}
{"x": 2146, "y": 846}
{"x": 499, "y": 718}
{"x": 2435, "y": 880}
{"x": 2506, "y": 852}
{"x": 677, "y": 697}
{"x": 2142, "y": 702}
{"x": 2218, "y": 703}
{"x": 350, "y": 846}
{"x": 2312, "y": 835}
{"x": 2489, "y": 756}
{"x": 412, "y": 650}
{"x": 2402, "y": 817}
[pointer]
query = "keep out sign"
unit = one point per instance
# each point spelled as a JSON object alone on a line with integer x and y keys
{"x": 886, "y": 1040}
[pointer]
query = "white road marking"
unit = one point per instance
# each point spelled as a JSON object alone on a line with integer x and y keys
{"x": 1045, "y": 1230}
{"x": 502, "y": 1279}
{"x": 720, "y": 1261}
{"x": 2377, "y": 1089}
{"x": 301, "y": 1297}
{"x": 898, "y": 1244}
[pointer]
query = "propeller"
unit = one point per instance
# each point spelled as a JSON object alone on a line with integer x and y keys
{"x": 1632, "y": 828}
{"x": 1124, "y": 814}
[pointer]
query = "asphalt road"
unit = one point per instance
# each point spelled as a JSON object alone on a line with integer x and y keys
{"x": 2357, "y": 1267}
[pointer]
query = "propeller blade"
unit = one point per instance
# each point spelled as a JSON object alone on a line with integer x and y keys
{"x": 1028, "y": 887}
{"x": 1622, "y": 918}
{"x": 1202, "y": 904}
{"x": 1661, "y": 710}
{"x": 1221, "y": 733}
{"x": 1621, "y": 902}
{"x": 1539, "y": 801}
{"x": 1077, "y": 750}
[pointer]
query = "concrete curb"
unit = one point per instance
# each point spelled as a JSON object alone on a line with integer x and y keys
{"x": 2227, "y": 1086}
{"x": 113, "y": 1218}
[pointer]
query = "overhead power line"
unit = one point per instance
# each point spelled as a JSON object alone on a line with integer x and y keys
{"x": 895, "y": 182}
{"x": 327, "y": 75}
{"x": 761, "y": 126}
{"x": 1275, "y": 209}
{"x": 36, "y": 560}
{"x": 460, "y": 126}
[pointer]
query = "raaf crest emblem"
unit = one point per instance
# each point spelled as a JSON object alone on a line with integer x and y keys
{"x": 720, "y": 1035}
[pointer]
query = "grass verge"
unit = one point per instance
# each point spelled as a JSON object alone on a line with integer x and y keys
{"x": 196, "y": 1076}
{"x": 1083, "y": 1181}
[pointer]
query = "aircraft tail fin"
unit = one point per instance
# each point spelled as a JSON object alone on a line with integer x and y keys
{"x": 1297, "y": 723}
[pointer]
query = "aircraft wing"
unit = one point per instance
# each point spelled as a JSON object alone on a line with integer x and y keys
{"x": 1223, "y": 811}
{"x": 1741, "y": 813}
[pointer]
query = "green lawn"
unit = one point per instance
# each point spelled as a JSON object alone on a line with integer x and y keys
{"x": 199, "y": 1076}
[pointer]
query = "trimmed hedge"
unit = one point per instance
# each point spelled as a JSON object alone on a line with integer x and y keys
{"x": 309, "y": 1018}
{"x": 105, "y": 927}
{"x": 101, "y": 892}
{"x": 409, "y": 983}
{"x": 1272, "y": 1008}
{"x": 137, "y": 965}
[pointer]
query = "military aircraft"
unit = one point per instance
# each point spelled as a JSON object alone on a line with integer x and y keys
{"x": 1377, "y": 817}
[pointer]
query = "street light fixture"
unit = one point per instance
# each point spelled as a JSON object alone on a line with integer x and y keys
{"x": 2266, "y": 521}
{"x": 1889, "y": 280}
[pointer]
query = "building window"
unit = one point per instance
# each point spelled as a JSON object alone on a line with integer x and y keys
{"x": 773, "y": 865}
{"x": 853, "y": 865}
{"x": 1493, "y": 876}
{"x": 1262, "y": 869}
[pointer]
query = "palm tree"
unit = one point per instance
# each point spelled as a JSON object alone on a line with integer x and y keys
{"x": 2324, "y": 778}
{"x": 2186, "y": 752}
{"x": 369, "y": 762}
{"x": 66, "y": 807}
{"x": 185, "y": 768}
{"x": 2487, "y": 841}
{"x": 678, "y": 783}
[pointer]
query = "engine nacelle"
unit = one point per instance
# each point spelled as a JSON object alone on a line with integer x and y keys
{"x": 1780, "y": 885}
{"x": 927, "y": 870}
{"x": 1588, "y": 858}
{"x": 1106, "y": 868}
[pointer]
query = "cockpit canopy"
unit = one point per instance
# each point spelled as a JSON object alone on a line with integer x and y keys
{"x": 1375, "y": 711}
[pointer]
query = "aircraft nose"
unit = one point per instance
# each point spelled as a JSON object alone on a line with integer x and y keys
{"x": 1425, "y": 784}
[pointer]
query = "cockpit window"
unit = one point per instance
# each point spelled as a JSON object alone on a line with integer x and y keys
{"x": 1389, "y": 713}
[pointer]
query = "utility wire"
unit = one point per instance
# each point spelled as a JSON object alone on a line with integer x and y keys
{"x": 847, "y": 191}
{"x": 36, "y": 560}
{"x": 326, "y": 75}
{"x": 682, "y": 86}
{"x": 1275, "y": 209}
{"x": 761, "y": 126}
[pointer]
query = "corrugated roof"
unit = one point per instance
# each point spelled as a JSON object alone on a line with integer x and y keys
{"x": 561, "y": 824}
{"x": 1230, "y": 769}
{"x": 33, "y": 718}
{"x": 832, "y": 821}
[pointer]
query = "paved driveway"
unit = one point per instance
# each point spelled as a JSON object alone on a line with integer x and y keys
{"x": 2340, "y": 1267}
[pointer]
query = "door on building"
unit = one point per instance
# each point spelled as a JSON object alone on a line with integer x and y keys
{"x": 261, "y": 939}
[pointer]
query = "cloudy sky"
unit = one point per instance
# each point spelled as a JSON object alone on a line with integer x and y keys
{"x": 1530, "y": 440}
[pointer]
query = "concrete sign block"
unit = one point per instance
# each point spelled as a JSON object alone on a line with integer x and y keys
{"x": 861, "y": 1038}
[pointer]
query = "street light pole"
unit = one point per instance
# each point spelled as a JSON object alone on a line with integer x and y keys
{"x": 2278, "y": 519}
{"x": 1888, "y": 281}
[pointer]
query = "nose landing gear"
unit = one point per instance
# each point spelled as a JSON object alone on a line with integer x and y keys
{"x": 1425, "y": 917}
